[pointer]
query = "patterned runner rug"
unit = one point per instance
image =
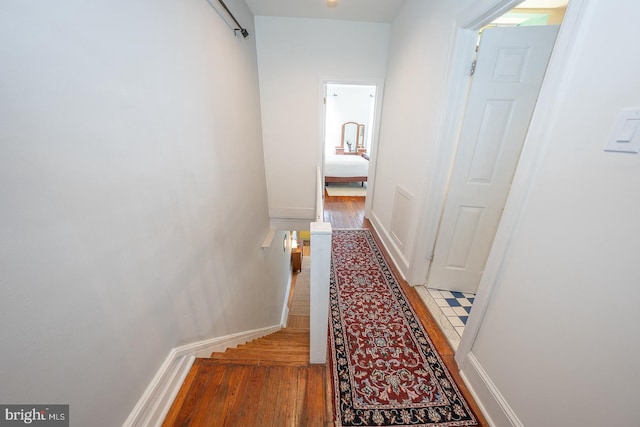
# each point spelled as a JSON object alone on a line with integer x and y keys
{"x": 386, "y": 371}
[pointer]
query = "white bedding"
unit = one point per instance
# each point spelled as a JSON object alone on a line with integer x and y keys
{"x": 346, "y": 166}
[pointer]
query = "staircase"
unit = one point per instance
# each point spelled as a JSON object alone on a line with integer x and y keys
{"x": 287, "y": 347}
{"x": 266, "y": 382}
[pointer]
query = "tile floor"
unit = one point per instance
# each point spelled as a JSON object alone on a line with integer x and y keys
{"x": 455, "y": 306}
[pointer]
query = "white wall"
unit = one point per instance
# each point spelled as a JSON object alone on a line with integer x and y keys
{"x": 132, "y": 196}
{"x": 294, "y": 55}
{"x": 560, "y": 339}
{"x": 415, "y": 92}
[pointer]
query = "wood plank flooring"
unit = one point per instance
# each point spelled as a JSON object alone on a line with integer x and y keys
{"x": 269, "y": 382}
{"x": 344, "y": 212}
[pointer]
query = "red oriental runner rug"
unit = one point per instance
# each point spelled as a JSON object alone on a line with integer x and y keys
{"x": 386, "y": 371}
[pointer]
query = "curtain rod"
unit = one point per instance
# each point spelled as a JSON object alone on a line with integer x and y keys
{"x": 242, "y": 30}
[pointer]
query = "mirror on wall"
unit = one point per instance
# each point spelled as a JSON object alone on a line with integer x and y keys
{"x": 352, "y": 141}
{"x": 360, "y": 142}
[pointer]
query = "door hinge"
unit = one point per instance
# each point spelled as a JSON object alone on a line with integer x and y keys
{"x": 472, "y": 71}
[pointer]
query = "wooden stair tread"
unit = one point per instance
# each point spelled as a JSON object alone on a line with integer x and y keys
{"x": 261, "y": 362}
{"x": 287, "y": 347}
{"x": 267, "y": 381}
{"x": 258, "y": 354}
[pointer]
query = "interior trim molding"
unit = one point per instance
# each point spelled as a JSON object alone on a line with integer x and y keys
{"x": 475, "y": 19}
{"x": 399, "y": 217}
{"x": 492, "y": 403}
{"x": 433, "y": 199}
{"x": 394, "y": 252}
{"x": 159, "y": 395}
{"x": 308, "y": 214}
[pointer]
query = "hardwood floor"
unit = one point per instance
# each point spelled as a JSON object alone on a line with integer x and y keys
{"x": 269, "y": 381}
{"x": 344, "y": 212}
{"x": 266, "y": 382}
{"x": 440, "y": 342}
{"x": 348, "y": 212}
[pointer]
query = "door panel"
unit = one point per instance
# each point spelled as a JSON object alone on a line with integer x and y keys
{"x": 509, "y": 72}
{"x": 510, "y": 65}
{"x": 495, "y": 122}
{"x": 464, "y": 233}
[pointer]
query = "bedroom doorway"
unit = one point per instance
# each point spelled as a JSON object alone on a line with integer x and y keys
{"x": 347, "y": 138}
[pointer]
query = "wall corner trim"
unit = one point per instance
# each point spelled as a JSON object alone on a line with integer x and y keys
{"x": 268, "y": 238}
{"x": 159, "y": 395}
{"x": 492, "y": 403}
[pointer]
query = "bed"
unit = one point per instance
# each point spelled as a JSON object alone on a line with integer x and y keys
{"x": 346, "y": 168}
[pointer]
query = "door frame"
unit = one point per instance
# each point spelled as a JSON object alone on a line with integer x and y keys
{"x": 535, "y": 141}
{"x": 523, "y": 94}
{"x": 373, "y": 149}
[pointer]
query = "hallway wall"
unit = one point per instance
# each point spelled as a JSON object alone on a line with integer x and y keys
{"x": 560, "y": 338}
{"x": 294, "y": 55}
{"x": 132, "y": 196}
{"x": 420, "y": 49}
{"x": 559, "y": 343}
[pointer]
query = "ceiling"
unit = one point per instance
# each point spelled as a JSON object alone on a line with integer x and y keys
{"x": 349, "y": 10}
{"x": 352, "y": 10}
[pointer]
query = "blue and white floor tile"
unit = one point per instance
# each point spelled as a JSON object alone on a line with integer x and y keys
{"x": 455, "y": 306}
{"x": 450, "y": 310}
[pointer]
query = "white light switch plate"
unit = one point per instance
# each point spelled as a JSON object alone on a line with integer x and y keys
{"x": 625, "y": 137}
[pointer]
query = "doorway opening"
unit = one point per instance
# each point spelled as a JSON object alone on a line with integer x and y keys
{"x": 512, "y": 57}
{"x": 348, "y": 138}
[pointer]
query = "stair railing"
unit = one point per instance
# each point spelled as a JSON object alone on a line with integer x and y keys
{"x": 319, "y": 278}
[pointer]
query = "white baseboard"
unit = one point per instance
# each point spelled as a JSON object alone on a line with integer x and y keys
{"x": 394, "y": 252}
{"x": 156, "y": 400}
{"x": 492, "y": 403}
{"x": 285, "y": 307}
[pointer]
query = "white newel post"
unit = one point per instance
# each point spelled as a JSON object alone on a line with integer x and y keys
{"x": 320, "y": 265}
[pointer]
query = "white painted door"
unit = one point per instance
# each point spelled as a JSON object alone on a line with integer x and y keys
{"x": 510, "y": 68}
